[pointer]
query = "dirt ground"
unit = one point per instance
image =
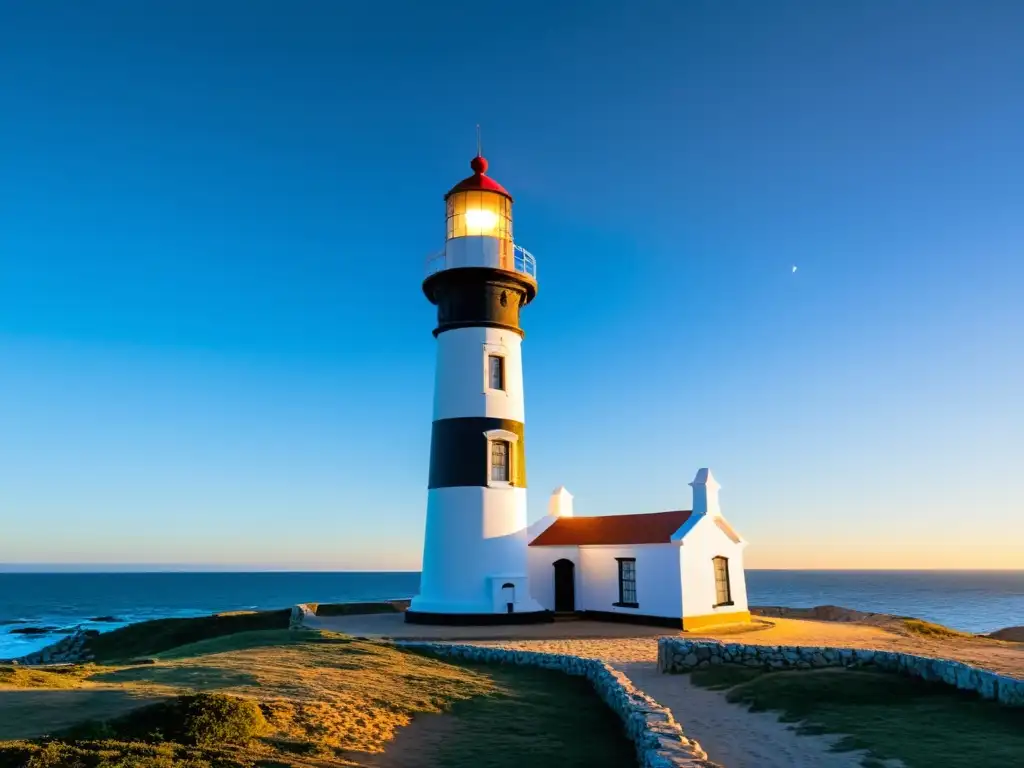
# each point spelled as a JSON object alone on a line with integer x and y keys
{"x": 627, "y": 642}
{"x": 730, "y": 733}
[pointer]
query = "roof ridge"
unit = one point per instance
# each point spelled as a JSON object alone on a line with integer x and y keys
{"x": 643, "y": 528}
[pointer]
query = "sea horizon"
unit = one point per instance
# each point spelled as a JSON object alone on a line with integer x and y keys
{"x": 108, "y": 596}
{"x": 56, "y": 568}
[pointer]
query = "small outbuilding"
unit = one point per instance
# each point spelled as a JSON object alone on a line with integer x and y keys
{"x": 681, "y": 569}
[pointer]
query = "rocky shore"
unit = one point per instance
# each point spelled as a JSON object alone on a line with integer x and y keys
{"x": 70, "y": 650}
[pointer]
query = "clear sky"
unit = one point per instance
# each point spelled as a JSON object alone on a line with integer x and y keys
{"x": 214, "y": 218}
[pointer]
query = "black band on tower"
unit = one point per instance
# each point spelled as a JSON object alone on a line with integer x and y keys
{"x": 459, "y": 452}
{"x": 478, "y": 296}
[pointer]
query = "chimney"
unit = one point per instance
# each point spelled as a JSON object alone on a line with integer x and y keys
{"x": 705, "y": 493}
{"x": 560, "y": 503}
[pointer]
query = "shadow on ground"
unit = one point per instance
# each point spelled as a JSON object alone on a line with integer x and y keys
{"x": 30, "y": 713}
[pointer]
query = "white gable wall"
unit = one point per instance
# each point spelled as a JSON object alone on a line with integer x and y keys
{"x": 658, "y": 590}
{"x": 542, "y": 573}
{"x": 697, "y": 573}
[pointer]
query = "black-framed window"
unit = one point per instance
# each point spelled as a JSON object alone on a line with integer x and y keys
{"x": 500, "y": 461}
{"x": 496, "y": 372}
{"x": 723, "y": 591}
{"x": 627, "y": 582}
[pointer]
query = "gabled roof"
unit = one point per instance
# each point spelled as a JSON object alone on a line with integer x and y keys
{"x": 727, "y": 530}
{"x": 652, "y": 528}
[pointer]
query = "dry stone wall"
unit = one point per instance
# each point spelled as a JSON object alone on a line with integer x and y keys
{"x": 658, "y": 738}
{"x": 681, "y": 655}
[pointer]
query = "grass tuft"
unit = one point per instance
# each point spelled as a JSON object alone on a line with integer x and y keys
{"x": 112, "y": 754}
{"x": 724, "y": 676}
{"x": 932, "y": 630}
{"x": 892, "y": 717}
{"x": 51, "y": 677}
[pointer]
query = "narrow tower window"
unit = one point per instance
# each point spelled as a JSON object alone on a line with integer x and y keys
{"x": 499, "y": 460}
{"x": 723, "y": 592}
{"x": 496, "y": 372}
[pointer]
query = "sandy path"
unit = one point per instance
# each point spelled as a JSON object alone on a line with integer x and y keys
{"x": 729, "y": 733}
{"x": 1004, "y": 657}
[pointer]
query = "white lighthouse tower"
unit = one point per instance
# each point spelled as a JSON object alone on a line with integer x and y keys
{"x": 475, "y": 547}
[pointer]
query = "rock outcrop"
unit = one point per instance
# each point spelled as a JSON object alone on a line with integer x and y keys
{"x": 1009, "y": 634}
{"x": 70, "y": 650}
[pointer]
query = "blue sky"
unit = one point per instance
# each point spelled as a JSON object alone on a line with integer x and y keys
{"x": 214, "y": 217}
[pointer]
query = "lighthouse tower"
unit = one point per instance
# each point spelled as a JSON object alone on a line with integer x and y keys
{"x": 474, "y": 552}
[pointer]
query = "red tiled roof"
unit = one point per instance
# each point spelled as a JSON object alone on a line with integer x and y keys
{"x": 653, "y": 528}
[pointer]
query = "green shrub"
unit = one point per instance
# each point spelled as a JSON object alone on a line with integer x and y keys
{"x": 212, "y": 718}
{"x": 108, "y": 754}
{"x": 202, "y": 720}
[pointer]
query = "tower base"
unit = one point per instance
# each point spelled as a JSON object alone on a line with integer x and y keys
{"x": 478, "y": 619}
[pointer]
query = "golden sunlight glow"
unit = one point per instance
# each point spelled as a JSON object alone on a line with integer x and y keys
{"x": 479, "y": 212}
{"x": 479, "y": 219}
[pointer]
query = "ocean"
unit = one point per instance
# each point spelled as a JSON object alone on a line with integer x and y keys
{"x": 973, "y": 601}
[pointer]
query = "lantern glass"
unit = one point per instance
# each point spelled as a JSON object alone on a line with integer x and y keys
{"x": 479, "y": 213}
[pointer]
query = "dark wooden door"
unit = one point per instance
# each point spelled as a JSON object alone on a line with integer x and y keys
{"x": 565, "y": 586}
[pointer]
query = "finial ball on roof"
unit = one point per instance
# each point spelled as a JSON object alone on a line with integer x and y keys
{"x": 478, "y": 164}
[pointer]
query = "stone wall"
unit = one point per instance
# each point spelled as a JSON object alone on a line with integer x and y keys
{"x": 681, "y": 655}
{"x": 301, "y": 613}
{"x": 659, "y": 739}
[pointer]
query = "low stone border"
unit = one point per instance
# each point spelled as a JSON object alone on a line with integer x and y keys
{"x": 659, "y": 739}
{"x": 680, "y": 655}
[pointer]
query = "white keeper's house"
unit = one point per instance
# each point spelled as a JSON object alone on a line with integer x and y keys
{"x": 681, "y": 569}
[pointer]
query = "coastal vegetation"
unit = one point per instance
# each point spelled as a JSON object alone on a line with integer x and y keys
{"x": 292, "y": 698}
{"x": 151, "y": 637}
{"x": 936, "y": 631}
{"x": 890, "y": 716}
{"x": 52, "y": 677}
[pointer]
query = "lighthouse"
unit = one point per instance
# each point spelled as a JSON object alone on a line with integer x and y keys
{"x": 475, "y": 544}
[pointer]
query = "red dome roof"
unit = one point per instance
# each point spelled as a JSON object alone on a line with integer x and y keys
{"x": 479, "y": 180}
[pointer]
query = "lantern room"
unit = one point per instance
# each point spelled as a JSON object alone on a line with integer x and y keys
{"x": 479, "y": 227}
{"x": 479, "y": 206}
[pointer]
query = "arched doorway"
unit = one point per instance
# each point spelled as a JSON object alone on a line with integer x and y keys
{"x": 565, "y": 586}
{"x": 508, "y": 594}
